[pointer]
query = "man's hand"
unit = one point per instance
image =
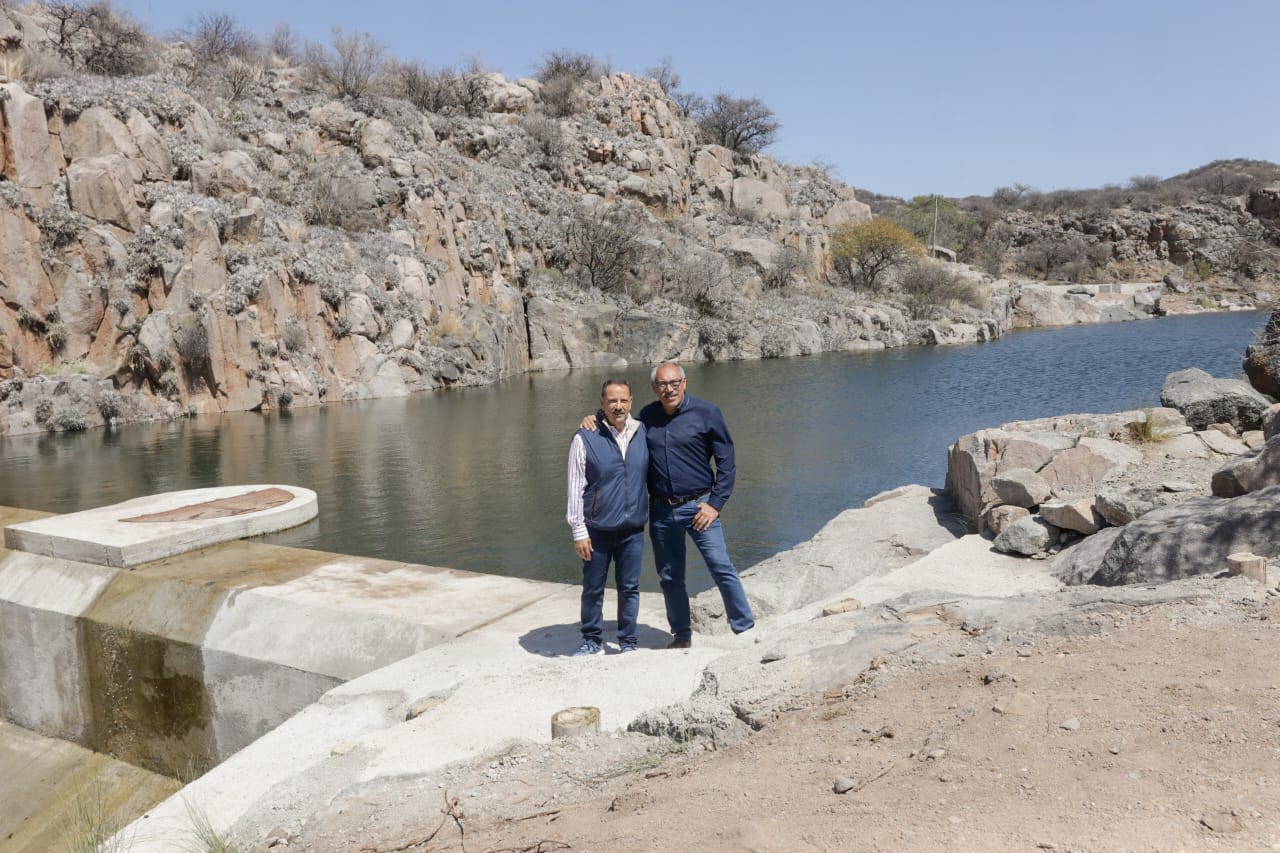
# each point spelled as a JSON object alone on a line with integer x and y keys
{"x": 583, "y": 548}
{"x": 706, "y": 515}
{"x": 588, "y": 423}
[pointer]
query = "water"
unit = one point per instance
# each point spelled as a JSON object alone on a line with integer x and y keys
{"x": 474, "y": 478}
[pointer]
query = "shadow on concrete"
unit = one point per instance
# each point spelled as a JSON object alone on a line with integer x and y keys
{"x": 555, "y": 641}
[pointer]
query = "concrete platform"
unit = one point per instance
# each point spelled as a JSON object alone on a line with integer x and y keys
{"x": 150, "y": 528}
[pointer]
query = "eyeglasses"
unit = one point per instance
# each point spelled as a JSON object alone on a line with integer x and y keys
{"x": 674, "y": 383}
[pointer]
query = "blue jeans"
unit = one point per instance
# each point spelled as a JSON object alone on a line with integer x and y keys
{"x": 626, "y": 549}
{"x": 667, "y": 528}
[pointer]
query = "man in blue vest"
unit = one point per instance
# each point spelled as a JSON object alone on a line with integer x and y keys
{"x": 608, "y": 507}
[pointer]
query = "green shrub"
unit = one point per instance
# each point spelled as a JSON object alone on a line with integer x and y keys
{"x": 44, "y": 411}
{"x": 110, "y": 405}
{"x": 68, "y": 420}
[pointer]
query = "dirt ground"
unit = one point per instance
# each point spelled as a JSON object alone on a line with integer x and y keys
{"x": 1132, "y": 728}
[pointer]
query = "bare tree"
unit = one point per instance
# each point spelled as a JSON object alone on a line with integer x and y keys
{"x": 665, "y": 75}
{"x": 95, "y": 37}
{"x": 564, "y": 76}
{"x": 743, "y": 125}
{"x": 283, "y": 41}
{"x": 215, "y": 37}
{"x": 603, "y": 243}
{"x": 350, "y": 65}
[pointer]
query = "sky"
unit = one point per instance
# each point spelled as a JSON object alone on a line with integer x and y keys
{"x": 955, "y": 97}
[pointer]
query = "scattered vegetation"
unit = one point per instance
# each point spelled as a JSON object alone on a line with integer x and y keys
{"x": 929, "y": 285}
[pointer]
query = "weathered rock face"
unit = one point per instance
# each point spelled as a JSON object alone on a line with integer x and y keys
{"x": 1204, "y": 400}
{"x": 1036, "y": 305}
{"x": 1191, "y": 538}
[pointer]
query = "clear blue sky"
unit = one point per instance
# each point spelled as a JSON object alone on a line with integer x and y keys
{"x": 904, "y": 98}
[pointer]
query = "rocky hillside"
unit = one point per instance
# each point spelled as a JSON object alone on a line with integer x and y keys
{"x": 187, "y": 231}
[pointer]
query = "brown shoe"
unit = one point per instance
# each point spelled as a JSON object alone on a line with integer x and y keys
{"x": 680, "y": 643}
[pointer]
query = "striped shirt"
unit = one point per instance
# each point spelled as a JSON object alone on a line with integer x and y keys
{"x": 578, "y": 474}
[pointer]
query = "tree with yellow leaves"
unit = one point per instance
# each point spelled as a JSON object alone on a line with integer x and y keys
{"x": 861, "y": 252}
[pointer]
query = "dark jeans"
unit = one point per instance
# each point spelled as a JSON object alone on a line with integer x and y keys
{"x": 626, "y": 549}
{"x": 668, "y": 525}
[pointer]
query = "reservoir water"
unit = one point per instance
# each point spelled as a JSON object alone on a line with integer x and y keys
{"x": 475, "y": 478}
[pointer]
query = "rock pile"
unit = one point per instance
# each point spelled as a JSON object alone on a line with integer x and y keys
{"x": 1039, "y": 486}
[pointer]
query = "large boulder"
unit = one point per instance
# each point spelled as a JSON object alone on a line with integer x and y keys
{"x": 102, "y": 188}
{"x": 1257, "y": 469}
{"x": 1271, "y": 422}
{"x": 1190, "y": 538}
{"x": 1021, "y": 487}
{"x": 1026, "y": 536}
{"x": 26, "y": 158}
{"x": 1204, "y": 400}
{"x": 1262, "y": 359}
{"x": 1079, "y": 515}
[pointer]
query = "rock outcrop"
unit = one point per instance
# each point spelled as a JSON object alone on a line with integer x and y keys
{"x": 1191, "y": 538}
{"x": 1204, "y": 400}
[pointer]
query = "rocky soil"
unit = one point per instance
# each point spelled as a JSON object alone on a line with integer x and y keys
{"x": 1139, "y": 720}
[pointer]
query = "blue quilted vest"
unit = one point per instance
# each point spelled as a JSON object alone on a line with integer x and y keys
{"x": 615, "y": 497}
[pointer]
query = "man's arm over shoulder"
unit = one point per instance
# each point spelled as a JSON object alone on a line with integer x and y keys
{"x": 722, "y": 449}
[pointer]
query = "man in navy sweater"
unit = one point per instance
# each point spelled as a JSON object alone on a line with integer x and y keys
{"x": 686, "y": 496}
{"x": 608, "y": 466}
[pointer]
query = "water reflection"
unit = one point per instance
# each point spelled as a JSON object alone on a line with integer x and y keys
{"x": 475, "y": 478}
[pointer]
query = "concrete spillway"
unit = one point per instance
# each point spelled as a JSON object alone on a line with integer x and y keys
{"x": 141, "y": 658}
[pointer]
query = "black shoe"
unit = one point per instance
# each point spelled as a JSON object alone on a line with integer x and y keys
{"x": 680, "y": 643}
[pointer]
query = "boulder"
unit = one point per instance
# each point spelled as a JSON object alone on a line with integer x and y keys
{"x": 102, "y": 188}
{"x": 754, "y": 252}
{"x": 1119, "y": 507}
{"x": 1204, "y": 400}
{"x": 376, "y": 136}
{"x": 997, "y": 518}
{"x": 1271, "y": 422}
{"x": 231, "y": 173}
{"x": 846, "y": 210}
{"x": 26, "y": 158}
{"x": 1026, "y": 536}
{"x": 1021, "y": 487}
{"x": 1079, "y": 515}
{"x": 95, "y": 132}
{"x": 1249, "y": 472}
{"x": 1190, "y": 538}
{"x": 1090, "y": 462}
{"x": 755, "y": 195}
{"x": 1262, "y": 359}
{"x": 153, "y": 153}
{"x": 1220, "y": 443}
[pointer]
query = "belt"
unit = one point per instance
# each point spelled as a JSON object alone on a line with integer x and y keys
{"x": 683, "y": 500}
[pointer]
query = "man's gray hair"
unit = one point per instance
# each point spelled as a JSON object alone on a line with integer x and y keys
{"x": 653, "y": 374}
